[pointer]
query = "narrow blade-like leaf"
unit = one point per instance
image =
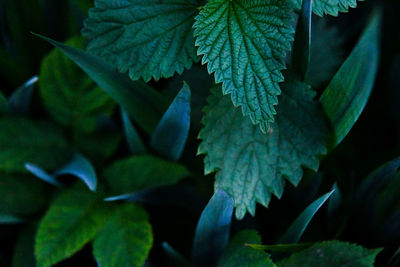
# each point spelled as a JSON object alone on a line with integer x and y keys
{"x": 20, "y": 100}
{"x": 42, "y": 174}
{"x": 135, "y": 144}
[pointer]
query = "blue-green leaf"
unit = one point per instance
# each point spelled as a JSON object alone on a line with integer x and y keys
{"x": 135, "y": 144}
{"x": 244, "y": 43}
{"x": 212, "y": 231}
{"x": 169, "y": 138}
{"x": 42, "y": 174}
{"x": 347, "y": 94}
{"x": 20, "y": 100}
{"x": 330, "y": 7}
{"x": 174, "y": 256}
{"x": 296, "y": 230}
{"x": 9, "y": 219}
{"x": 24, "y": 249}
{"x": 3, "y": 104}
{"x": 143, "y": 103}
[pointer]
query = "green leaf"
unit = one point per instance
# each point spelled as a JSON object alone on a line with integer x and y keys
{"x": 3, "y": 104}
{"x": 23, "y": 140}
{"x": 73, "y": 220}
{"x": 280, "y": 247}
{"x": 212, "y": 231}
{"x": 332, "y": 253}
{"x": 144, "y": 104}
{"x": 20, "y": 100}
{"x": 135, "y": 144}
{"x": 21, "y": 195}
{"x": 158, "y": 35}
{"x": 251, "y": 165}
{"x": 68, "y": 94}
{"x": 330, "y": 7}
{"x": 296, "y": 230}
{"x": 169, "y": 137}
{"x": 142, "y": 172}
{"x": 244, "y": 43}
{"x": 24, "y": 249}
{"x": 238, "y": 254}
{"x": 126, "y": 239}
{"x": 347, "y": 94}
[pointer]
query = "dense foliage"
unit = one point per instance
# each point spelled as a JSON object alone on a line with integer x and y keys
{"x": 199, "y": 133}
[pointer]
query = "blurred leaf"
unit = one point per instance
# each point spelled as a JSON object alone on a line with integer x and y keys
{"x": 21, "y": 194}
{"x": 24, "y": 249}
{"x": 280, "y": 247}
{"x": 347, "y": 94}
{"x": 334, "y": 201}
{"x": 41, "y": 174}
{"x": 9, "y": 219}
{"x": 238, "y": 254}
{"x": 135, "y": 144}
{"x": 301, "y": 47}
{"x": 23, "y": 140}
{"x": 142, "y": 172}
{"x": 73, "y": 219}
{"x": 333, "y": 254}
{"x": 69, "y": 95}
{"x": 3, "y": 104}
{"x": 169, "y": 137}
{"x": 143, "y": 103}
{"x": 20, "y": 100}
{"x": 296, "y": 230}
{"x": 126, "y": 239}
{"x": 174, "y": 256}
{"x": 212, "y": 231}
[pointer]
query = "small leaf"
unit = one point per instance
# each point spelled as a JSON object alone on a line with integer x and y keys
{"x": 143, "y": 103}
{"x": 244, "y": 43}
{"x": 41, "y": 174}
{"x": 169, "y": 138}
{"x": 128, "y": 230}
{"x": 135, "y": 144}
{"x": 296, "y": 230}
{"x": 73, "y": 219}
{"x": 212, "y": 231}
{"x": 280, "y": 247}
{"x": 333, "y": 254}
{"x": 347, "y": 94}
{"x": 23, "y": 140}
{"x": 3, "y": 104}
{"x": 157, "y": 34}
{"x": 238, "y": 254}
{"x": 142, "y": 172}
{"x": 330, "y": 7}
{"x": 20, "y": 100}
{"x": 174, "y": 256}
{"x": 9, "y": 219}
{"x": 334, "y": 201}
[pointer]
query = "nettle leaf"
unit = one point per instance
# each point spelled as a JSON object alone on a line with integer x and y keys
{"x": 24, "y": 140}
{"x": 147, "y": 38}
{"x": 142, "y": 172}
{"x": 238, "y": 254}
{"x": 126, "y": 239}
{"x": 330, "y": 7}
{"x": 73, "y": 220}
{"x": 251, "y": 165}
{"x": 68, "y": 94}
{"x": 244, "y": 43}
{"x": 332, "y": 253}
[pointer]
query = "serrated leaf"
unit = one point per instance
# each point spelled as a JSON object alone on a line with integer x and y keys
{"x": 330, "y": 7}
{"x": 20, "y": 100}
{"x": 238, "y": 254}
{"x": 144, "y": 104}
{"x": 251, "y": 165}
{"x": 23, "y": 140}
{"x": 296, "y": 230}
{"x": 73, "y": 220}
{"x": 212, "y": 231}
{"x": 244, "y": 43}
{"x": 68, "y": 94}
{"x": 332, "y": 253}
{"x": 135, "y": 144}
{"x": 169, "y": 137}
{"x": 126, "y": 239}
{"x": 347, "y": 94}
{"x": 157, "y": 34}
{"x": 142, "y": 172}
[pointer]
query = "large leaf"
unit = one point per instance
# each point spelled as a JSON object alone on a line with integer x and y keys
{"x": 147, "y": 38}
{"x": 238, "y": 254}
{"x": 251, "y": 165}
{"x": 143, "y": 103}
{"x": 332, "y": 253}
{"x": 347, "y": 94}
{"x": 23, "y": 140}
{"x": 244, "y": 43}
{"x": 73, "y": 220}
{"x": 126, "y": 239}
{"x": 212, "y": 231}
{"x": 142, "y": 172}
{"x": 330, "y": 7}
{"x": 68, "y": 94}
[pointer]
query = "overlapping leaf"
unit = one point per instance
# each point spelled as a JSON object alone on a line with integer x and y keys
{"x": 147, "y": 38}
{"x": 244, "y": 42}
{"x": 251, "y": 165}
{"x": 330, "y": 7}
